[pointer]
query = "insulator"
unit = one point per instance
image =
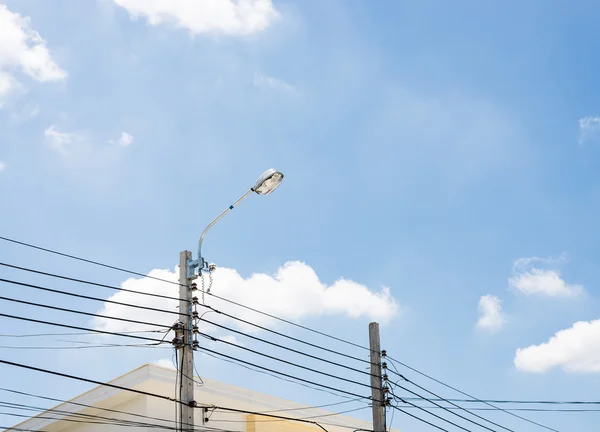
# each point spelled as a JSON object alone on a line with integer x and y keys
{"x": 385, "y": 377}
{"x": 195, "y": 330}
{"x": 195, "y": 344}
{"x": 194, "y": 286}
{"x": 384, "y": 365}
{"x": 195, "y": 315}
{"x": 383, "y": 353}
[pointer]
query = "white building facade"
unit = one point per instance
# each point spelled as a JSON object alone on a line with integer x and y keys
{"x": 89, "y": 411}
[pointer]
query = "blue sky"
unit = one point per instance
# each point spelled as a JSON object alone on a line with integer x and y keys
{"x": 427, "y": 147}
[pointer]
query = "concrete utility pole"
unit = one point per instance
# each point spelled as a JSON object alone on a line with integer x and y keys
{"x": 377, "y": 395}
{"x": 186, "y": 351}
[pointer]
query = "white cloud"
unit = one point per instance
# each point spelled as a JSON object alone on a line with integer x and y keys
{"x": 125, "y": 140}
{"x": 265, "y": 81}
{"x": 60, "y": 141}
{"x": 23, "y": 48}
{"x": 8, "y": 86}
{"x": 589, "y": 127}
{"x": 491, "y": 317}
{"x": 228, "y": 17}
{"x": 2, "y": 166}
{"x": 576, "y": 349}
{"x": 530, "y": 279}
{"x": 294, "y": 292}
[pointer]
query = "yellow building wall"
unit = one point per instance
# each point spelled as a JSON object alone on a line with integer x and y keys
{"x": 255, "y": 423}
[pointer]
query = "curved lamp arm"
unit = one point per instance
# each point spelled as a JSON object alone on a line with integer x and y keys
{"x": 266, "y": 183}
{"x": 210, "y": 225}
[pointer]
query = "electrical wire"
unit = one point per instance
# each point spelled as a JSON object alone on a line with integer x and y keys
{"x": 452, "y": 412}
{"x": 283, "y": 346}
{"x": 534, "y": 402}
{"x": 299, "y": 418}
{"x": 84, "y": 260}
{"x": 178, "y": 284}
{"x": 314, "y": 406}
{"x": 554, "y": 410}
{"x": 47, "y": 371}
{"x": 177, "y": 407}
{"x": 83, "y": 313}
{"x": 284, "y": 335}
{"x": 71, "y": 334}
{"x": 70, "y": 413}
{"x": 88, "y": 380}
{"x": 285, "y": 374}
{"x": 392, "y": 360}
{"x": 281, "y": 378}
{"x": 96, "y": 284}
{"x": 49, "y": 348}
{"x": 420, "y": 419}
{"x": 32, "y": 320}
{"x": 71, "y": 294}
{"x": 284, "y": 361}
{"x": 78, "y": 415}
{"x": 265, "y": 314}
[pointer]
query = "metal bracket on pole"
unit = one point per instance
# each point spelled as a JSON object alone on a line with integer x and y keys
{"x": 191, "y": 267}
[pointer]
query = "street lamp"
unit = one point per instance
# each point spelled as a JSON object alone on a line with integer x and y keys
{"x": 185, "y": 329}
{"x": 265, "y": 185}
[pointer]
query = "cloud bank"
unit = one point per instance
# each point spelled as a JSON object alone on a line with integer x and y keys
{"x": 294, "y": 292}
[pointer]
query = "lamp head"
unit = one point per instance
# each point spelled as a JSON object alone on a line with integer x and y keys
{"x": 268, "y": 182}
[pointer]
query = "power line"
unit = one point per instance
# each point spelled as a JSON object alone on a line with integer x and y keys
{"x": 49, "y": 348}
{"x": 566, "y": 410}
{"x": 31, "y": 335}
{"x": 96, "y": 284}
{"x": 285, "y": 347}
{"x": 297, "y": 418}
{"x": 442, "y": 418}
{"x": 177, "y": 283}
{"x": 37, "y": 369}
{"x": 466, "y": 394}
{"x": 84, "y": 260}
{"x": 452, "y": 403}
{"x": 32, "y": 320}
{"x": 86, "y": 419}
{"x": 83, "y": 313}
{"x": 62, "y": 401}
{"x": 91, "y": 381}
{"x": 420, "y": 419}
{"x": 314, "y": 406}
{"x": 265, "y": 314}
{"x": 283, "y": 334}
{"x": 284, "y": 361}
{"x": 284, "y": 374}
{"x": 534, "y": 402}
{"x": 42, "y": 288}
{"x": 282, "y": 378}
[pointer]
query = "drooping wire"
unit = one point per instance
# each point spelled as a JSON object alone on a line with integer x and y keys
{"x": 99, "y": 299}
{"x": 284, "y": 374}
{"x": 283, "y": 346}
{"x": 223, "y": 408}
{"x": 281, "y": 378}
{"x": 46, "y": 306}
{"x": 442, "y": 407}
{"x": 393, "y": 360}
{"x": 33, "y": 320}
{"x": 285, "y": 361}
{"x": 96, "y": 284}
{"x": 420, "y": 419}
